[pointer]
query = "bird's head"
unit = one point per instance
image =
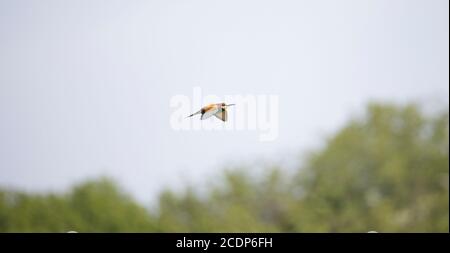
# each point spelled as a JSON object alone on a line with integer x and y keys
{"x": 225, "y": 105}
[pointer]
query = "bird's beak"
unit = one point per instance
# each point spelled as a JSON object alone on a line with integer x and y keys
{"x": 230, "y": 105}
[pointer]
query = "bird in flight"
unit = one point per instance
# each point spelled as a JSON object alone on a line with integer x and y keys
{"x": 219, "y": 110}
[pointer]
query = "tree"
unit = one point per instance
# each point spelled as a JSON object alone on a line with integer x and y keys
{"x": 95, "y": 206}
{"x": 386, "y": 171}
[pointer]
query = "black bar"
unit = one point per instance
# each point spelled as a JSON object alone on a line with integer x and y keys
{"x": 212, "y": 242}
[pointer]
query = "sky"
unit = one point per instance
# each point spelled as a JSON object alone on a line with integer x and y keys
{"x": 85, "y": 85}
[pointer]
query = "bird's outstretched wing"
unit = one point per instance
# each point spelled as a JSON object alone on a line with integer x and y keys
{"x": 209, "y": 112}
{"x": 222, "y": 115}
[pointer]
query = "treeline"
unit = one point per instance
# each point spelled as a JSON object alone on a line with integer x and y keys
{"x": 386, "y": 171}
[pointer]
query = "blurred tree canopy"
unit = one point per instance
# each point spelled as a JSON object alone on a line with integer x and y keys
{"x": 386, "y": 171}
{"x": 96, "y": 206}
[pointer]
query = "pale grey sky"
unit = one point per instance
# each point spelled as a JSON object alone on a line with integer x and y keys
{"x": 85, "y": 85}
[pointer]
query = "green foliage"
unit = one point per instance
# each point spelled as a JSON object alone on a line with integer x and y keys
{"x": 387, "y": 171}
{"x": 96, "y": 206}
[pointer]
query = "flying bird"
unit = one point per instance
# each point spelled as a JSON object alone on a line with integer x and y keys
{"x": 219, "y": 110}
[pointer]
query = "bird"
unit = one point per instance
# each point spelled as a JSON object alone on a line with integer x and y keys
{"x": 219, "y": 110}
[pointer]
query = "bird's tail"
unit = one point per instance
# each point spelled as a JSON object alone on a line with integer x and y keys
{"x": 194, "y": 114}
